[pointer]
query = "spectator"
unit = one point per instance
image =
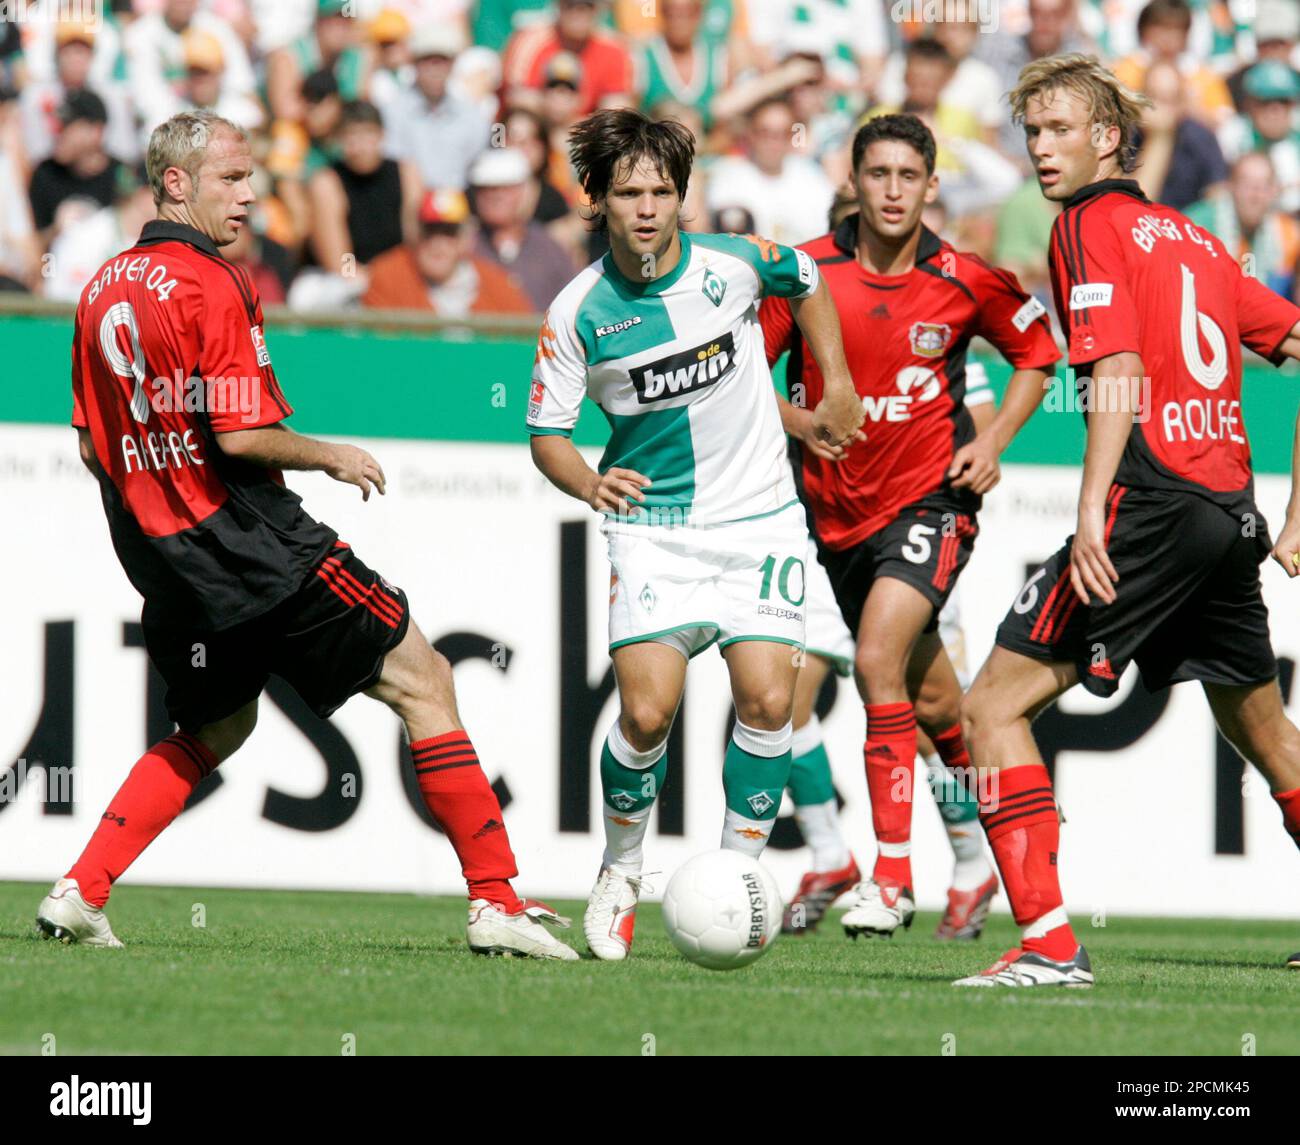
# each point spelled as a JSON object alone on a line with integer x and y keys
{"x": 1163, "y": 30}
{"x": 606, "y": 66}
{"x": 266, "y": 262}
{"x": 41, "y": 99}
{"x": 1053, "y": 30}
{"x": 1277, "y": 29}
{"x": 391, "y": 74}
{"x": 155, "y": 48}
{"x": 40, "y": 37}
{"x": 543, "y": 202}
{"x": 439, "y": 273}
{"x": 1179, "y": 160}
{"x": 495, "y": 21}
{"x": 362, "y": 204}
{"x": 787, "y": 194}
{"x": 330, "y": 46}
{"x": 853, "y": 36}
{"x": 972, "y": 85}
{"x": 1024, "y": 229}
{"x": 430, "y": 126}
{"x": 1263, "y": 239}
{"x": 681, "y": 63}
{"x": 507, "y": 237}
{"x": 78, "y": 167}
{"x": 1271, "y": 91}
{"x": 19, "y": 249}
{"x": 205, "y": 84}
{"x": 559, "y": 112}
{"x": 81, "y": 249}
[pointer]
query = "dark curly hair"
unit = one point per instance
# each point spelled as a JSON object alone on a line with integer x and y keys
{"x": 608, "y": 144}
{"x": 900, "y": 128}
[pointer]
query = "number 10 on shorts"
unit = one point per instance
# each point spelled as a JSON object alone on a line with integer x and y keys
{"x": 783, "y": 579}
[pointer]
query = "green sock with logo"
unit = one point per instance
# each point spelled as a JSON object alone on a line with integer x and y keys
{"x": 754, "y": 777}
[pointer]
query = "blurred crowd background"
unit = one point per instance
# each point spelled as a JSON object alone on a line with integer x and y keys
{"x": 411, "y": 153}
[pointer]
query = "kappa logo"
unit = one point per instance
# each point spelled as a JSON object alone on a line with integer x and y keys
{"x": 622, "y": 800}
{"x": 686, "y": 372}
{"x": 760, "y": 802}
{"x": 929, "y": 339}
{"x": 618, "y": 327}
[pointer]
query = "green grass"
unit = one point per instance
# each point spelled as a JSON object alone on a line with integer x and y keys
{"x": 276, "y": 972}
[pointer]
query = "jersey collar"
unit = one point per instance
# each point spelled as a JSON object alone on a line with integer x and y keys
{"x": 1123, "y": 186}
{"x": 845, "y": 238}
{"x": 164, "y": 231}
{"x": 651, "y": 285}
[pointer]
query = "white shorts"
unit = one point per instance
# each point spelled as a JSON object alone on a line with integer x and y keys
{"x": 692, "y": 586}
{"x": 827, "y": 636}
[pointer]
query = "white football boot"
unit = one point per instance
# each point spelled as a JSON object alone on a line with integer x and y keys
{"x": 65, "y": 915}
{"x": 492, "y": 931}
{"x": 879, "y": 910}
{"x": 1025, "y": 968}
{"x": 610, "y": 918}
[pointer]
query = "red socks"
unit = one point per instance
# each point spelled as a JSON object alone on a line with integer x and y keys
{"x": 1019, "y": 815}
{"x": 153, "y": 794}
{"x": 952, "y": 748}
{"x": 1289, "y": 801}
{"x": 890, "y": 758}
{"x": 458, "y": 796}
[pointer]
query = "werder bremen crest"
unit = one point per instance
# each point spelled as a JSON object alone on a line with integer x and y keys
{"x": 714, "y": 287}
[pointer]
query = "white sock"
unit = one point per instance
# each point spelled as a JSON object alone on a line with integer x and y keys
{"x": 972, "y": 866}
{"x": 625, "y": 830}
{"x": 748, "y": 836}
{"x": 820, "y": 824}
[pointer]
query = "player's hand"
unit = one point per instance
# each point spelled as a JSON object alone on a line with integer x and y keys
{"x": 975, "y": 466}
{"x": 1090, "y": 566}
{"x": 838, "y": 418}
{"x": 1287, "y": 550}
{"x": 616, "y": 489}
{"x": 806, "y": 431}
{"x": 355, "y": 466}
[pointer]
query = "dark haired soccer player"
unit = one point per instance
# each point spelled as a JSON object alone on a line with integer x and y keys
{"x": 1163, "y": 567}
{"x": 706, "y": 535}
{"x": 895, "y": 517}
{"x": 180, "y": 416}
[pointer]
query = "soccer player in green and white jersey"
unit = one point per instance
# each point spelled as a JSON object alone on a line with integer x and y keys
{"x": 707, "y": 537}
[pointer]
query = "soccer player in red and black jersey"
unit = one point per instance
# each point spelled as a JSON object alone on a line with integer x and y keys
{"x": 895, "y": 516}
{"x": 181, "y": 418}
{"x": 1163, "y": 567}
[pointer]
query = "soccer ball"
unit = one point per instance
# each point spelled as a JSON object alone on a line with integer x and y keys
{"x": 722, "y": 910}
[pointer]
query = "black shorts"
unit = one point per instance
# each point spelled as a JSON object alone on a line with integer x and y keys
{"x": 926, "y": 545}
{"x": 1187, "y": 603}
{"x": 328, "y": 641}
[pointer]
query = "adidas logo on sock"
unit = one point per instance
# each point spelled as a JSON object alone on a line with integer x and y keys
{"x": 488, "y": 827}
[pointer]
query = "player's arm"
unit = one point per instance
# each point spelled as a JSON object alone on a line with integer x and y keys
{"x": 839, "y": 414}
{"x": 86, "y": 447}
{"x": 278, "y": 447}
{"x": 1115, "y": 384}
{"x": 564, "y": 467}
{"x": 1287, "y": 550}
{"x": 799, "y": 423}
{"x": 975, "y": 464}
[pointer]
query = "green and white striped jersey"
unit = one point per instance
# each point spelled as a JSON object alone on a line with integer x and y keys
{"x": 677, "y": 365}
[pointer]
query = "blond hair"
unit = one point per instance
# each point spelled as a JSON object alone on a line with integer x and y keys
{"x": 182, "y": 141}
{"x": 1108, "y": 101}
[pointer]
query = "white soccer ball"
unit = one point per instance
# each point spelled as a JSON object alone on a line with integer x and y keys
{"x": 722, "y": 910}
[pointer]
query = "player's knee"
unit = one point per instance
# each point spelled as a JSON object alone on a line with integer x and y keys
{"x": 878, "y": 671}
{"x": 936, "y": 712}
{"x": 768, "y": 709}
{"x": 225, "y": 737}
{"x": 645, "y": 724}
{"x": 976, "y": 714}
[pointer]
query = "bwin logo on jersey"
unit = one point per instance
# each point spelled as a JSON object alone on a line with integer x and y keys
{"x": 683, "y": 373}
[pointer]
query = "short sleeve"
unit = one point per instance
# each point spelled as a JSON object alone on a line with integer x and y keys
{"x": 777, "y": 320}
{"x": 1264, "y": 317}
{"x": 1090, "y": 283}
{"x": 783, "y": 271}
{"x": 559, "y": 379}
{"x": 1015, "y": 322}
{"x": 242, "y": 389}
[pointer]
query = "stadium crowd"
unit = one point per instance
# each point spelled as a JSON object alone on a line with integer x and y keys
{"x": 411, "y": 153}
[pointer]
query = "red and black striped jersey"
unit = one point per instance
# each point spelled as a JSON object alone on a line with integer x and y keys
{"x": 905, "y": 342}
{"x": 167, "y": 353}
{"x": 1132, "y": 275}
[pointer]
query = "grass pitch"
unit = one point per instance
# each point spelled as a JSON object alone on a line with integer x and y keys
{"x": 275, "y": 972}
